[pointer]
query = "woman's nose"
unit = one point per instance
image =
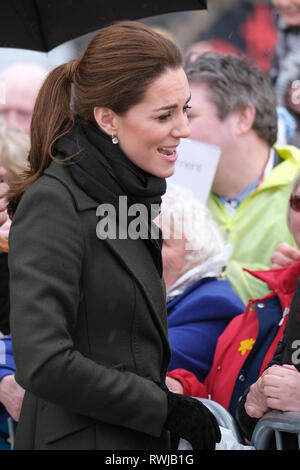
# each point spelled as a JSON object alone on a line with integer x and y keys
{"x": 182, "y": 128}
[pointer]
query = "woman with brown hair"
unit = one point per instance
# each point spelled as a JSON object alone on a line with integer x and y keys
{"x": 88, "y": 315}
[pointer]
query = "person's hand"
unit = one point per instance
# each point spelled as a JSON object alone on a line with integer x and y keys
{"x": 174, "y": 385}
{"x": 189, "y": 419}
{"x": 256, "y": 404}
{"x": 11, "y": 396}
{"x": 284, "y": 255}
{"x": 281, "y": 388}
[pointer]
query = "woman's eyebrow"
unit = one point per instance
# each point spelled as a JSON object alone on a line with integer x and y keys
{"x": 171, "y": 106}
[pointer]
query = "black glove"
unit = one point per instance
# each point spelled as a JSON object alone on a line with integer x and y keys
{"x": 190, "y": 419}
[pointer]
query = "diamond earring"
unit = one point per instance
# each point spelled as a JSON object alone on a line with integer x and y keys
{"x": 114, "y": 139}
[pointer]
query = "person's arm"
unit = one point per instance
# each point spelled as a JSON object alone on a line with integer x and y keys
{"x": 185, "y": 382}
{"x": 11, "y": 394}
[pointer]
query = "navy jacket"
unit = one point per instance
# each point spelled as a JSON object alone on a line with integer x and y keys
{"x": 196, "y": 318}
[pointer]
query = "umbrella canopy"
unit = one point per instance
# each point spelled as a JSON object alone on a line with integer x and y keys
{"x": 42, "y": 25}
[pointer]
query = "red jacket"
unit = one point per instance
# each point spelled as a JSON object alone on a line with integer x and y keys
{"x": 248, "y": 343}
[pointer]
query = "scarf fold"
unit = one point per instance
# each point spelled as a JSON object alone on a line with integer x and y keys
{"x": 104, "y": 173}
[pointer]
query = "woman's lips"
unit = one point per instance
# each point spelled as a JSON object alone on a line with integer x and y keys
{"x": 168, "y": 153}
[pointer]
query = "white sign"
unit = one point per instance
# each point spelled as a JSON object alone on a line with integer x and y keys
{"x": 195, "y": 168}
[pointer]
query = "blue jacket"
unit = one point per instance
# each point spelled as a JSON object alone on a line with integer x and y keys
{"x": 7, "y": 366}
{"x": 196, "y": 318}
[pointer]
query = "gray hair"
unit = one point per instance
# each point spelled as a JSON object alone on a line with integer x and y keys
{"x": 234, "y": 83}
{"x": 195, "y": 222}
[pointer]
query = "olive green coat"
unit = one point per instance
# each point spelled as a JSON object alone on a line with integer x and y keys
{"x": 89, "y": 326}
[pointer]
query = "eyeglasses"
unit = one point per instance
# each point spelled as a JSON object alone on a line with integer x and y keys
{"x": 295, "y": 202}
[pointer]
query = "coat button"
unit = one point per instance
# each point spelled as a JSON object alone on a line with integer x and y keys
{"x": 219, "y": 367}
{"x": 260, "y": 305}
{"x": 242, "y": 378}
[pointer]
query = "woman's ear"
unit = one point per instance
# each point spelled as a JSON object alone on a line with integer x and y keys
{"x": 106, "y": 119}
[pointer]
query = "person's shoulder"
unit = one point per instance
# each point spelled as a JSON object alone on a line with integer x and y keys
{"x": 45, "y": 194}
{"x": 224, "y": 291}
{"x": 220, "y": 289}
{"x": 47, "y": 186}
{"x": 54, "y": 185}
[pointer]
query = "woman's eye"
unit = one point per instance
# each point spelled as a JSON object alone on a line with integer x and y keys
{"x": 186, "y": 107}
{"x": 164, "y": 117}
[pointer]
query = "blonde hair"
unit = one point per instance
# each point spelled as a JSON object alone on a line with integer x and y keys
{"x": 14, "y": 149}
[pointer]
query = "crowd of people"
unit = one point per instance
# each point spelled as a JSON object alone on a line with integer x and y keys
{"x": 111, "y": 327}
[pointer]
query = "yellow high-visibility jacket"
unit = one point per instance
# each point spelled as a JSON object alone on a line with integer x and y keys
{"x": 258, "y": 225}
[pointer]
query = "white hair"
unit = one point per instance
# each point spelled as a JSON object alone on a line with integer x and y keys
{"x": 193, "y": 220}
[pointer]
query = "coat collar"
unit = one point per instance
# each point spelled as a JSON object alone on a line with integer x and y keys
{"x": 281, "y": 281}
{"x": 61, "y": 172}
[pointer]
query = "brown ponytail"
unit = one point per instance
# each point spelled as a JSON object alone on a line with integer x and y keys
{"x": 51, "y": 119}
{"x": 115, "y": 70}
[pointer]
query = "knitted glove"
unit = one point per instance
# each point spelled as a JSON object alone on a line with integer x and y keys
{"x": 189, "y": 419}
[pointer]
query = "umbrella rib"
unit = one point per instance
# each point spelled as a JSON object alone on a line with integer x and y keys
{"x": 28, "y": 22}
{"x": 42, "y": 35}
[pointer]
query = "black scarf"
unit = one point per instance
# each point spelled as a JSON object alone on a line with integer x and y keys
{"x": 103, "y": 172}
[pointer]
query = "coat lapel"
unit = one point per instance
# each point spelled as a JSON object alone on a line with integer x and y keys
{"x": 144, "y": 271}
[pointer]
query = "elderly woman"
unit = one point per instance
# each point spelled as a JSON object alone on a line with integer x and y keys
{"x": 199, "y": 304}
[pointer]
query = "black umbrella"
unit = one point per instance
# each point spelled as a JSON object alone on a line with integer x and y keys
{"x": 42, "y": 25}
